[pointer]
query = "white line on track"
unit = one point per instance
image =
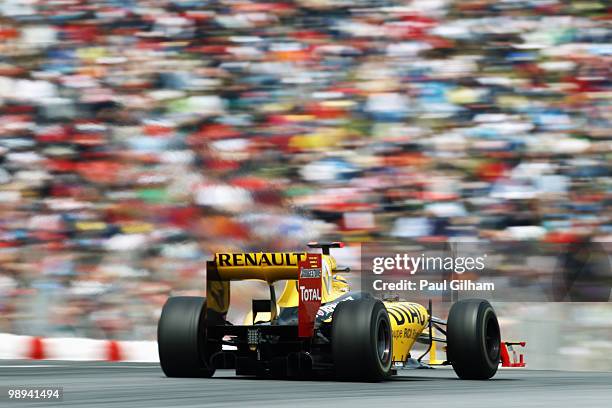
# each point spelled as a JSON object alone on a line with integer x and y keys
{"x": 30, "y": 366}
{"x": 71, "y": 366}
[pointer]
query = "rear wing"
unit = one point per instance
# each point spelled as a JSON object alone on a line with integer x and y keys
{"x": 267, "y": 266}
{"x": 305, "y": 268}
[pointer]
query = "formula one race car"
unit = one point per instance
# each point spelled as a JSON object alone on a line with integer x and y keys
{"x": 317, "y": 325}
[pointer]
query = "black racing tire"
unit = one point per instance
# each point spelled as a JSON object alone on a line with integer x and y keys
{"x": 362, "y": 345}
{"x": 473, "y": 339}
{"x": 181, "y": 339}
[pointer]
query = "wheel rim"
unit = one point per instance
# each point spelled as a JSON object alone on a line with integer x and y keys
{"x": 383, "y": 341}
{"x": 492, "y": 338}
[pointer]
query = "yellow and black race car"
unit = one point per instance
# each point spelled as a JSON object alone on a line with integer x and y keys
{"x": 316, "y": 325}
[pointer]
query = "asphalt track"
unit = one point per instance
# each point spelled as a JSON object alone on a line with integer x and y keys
{"x": 93, "y": 384}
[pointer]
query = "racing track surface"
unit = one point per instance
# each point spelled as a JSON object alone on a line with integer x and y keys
{"x": 96, "y": 384}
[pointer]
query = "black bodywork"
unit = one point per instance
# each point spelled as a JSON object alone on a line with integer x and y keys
{"x": 273, "y": 347}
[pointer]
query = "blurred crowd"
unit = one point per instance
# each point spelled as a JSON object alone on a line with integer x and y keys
{"x": 138, "y": 137}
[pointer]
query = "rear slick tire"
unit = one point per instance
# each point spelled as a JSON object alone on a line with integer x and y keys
{"x": 181, "y": 338}
{"x": 361, "y": 340}
{"x": 473, "y": 339}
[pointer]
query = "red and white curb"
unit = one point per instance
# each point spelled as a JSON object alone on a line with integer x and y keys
{"x": 72, "y": 348}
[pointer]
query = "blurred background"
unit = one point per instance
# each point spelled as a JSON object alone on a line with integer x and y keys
{"x": 138, "y": 137}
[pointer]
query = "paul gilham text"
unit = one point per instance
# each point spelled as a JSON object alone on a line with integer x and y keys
{"x": 423, "y": 284}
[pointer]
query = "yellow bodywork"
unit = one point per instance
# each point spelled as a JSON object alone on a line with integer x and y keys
{"x": 408, "y": 320}
{"x": 333, "y": 286}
